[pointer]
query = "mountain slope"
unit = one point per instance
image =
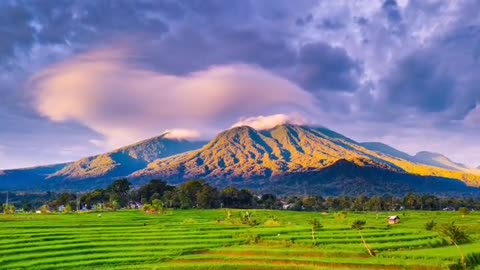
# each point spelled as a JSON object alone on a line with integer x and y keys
{"x": 28, "y": 177}
{"x": 423, "y": 157}
{"x": 126, "y": 160}
{"x": 387, "y": 150}
{"x": 244, "y": 153}
{"x": 438, "y": 160}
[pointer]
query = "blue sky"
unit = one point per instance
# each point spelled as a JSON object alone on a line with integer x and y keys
{"x": 83, "y": 77}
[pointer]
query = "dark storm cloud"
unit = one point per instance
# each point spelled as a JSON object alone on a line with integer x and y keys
{"x": 324, "y": 67}
{"x": 16, "y": 32}
{"x": 439, "y": 78}
{"x": 25, "y": 23}
{"x": 419, "y": 81}
{"x": 191, "y": 49}
{"x": 363, "y": 60}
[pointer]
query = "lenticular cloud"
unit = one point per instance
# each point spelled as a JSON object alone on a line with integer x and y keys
{"x": 106, "y": 92}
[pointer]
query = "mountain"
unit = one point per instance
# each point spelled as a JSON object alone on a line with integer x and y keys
{"x": 438, "y": 160}
{"x": 287, "y": 159}
{"x": 101, "y": 168}
{"x": 126, "y": 160}
{"x": 28, "y": 177}
{"x": 245, "y": 153}
{"x": 423, "y": 157}
{"x": 290, "y": 154}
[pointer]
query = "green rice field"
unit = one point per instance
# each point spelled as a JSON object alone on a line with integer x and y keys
{"x": 209, "y": 239}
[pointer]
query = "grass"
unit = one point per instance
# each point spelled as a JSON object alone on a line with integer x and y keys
{"x": 205, "y": 239}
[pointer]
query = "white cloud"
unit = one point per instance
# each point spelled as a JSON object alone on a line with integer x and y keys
{"x": 186, "y": 134}
{"x": 271, "y": 121}
{"x": 105, "y": 92}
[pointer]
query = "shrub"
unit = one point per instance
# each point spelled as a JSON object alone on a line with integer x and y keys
{"x": 68, "y": 209}
{"x": 247, "y": 218}
{"x": 157, "y": 206}
{"x": 341, "y": 216}
{"x": 44, "y": 209}
{"x": 429, "y": 226}
{"x": 272, "y": 223}
{"x": 454, "y": 234}
{"x": 189, "y": 221}
{"x": 463, "y": 211}
{"x": 9, "y": 209}
{"x": 250, "y": 238}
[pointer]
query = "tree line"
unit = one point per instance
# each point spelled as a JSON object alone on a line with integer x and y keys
{"x": 199, "y": 194}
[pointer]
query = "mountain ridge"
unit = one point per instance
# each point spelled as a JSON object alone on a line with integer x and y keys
{"x": 277, "y": 157}
{"x": 281, "y": 150}
{"x": 125, "y": 160}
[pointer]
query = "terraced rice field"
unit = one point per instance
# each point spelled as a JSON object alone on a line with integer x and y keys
{"x": 198, "y": 239}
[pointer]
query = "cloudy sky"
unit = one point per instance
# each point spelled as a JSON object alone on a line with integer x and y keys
{"x": 83, "y": 77}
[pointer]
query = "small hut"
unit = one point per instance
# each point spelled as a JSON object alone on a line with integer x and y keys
{"x": 393, "y": 220}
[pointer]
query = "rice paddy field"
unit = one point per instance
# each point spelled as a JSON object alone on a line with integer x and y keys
{"x": 208, "y": 239}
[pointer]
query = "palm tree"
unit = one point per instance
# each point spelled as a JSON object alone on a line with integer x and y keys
{"x": 456, "y": 236}
{"x": 315, "y": 226}
{"x": 359, "y": 226}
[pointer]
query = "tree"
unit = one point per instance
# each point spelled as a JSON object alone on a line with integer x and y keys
{"x": 207, "y": 197}
{"x": 92, "y": 198}
{"x": 359, "y": 225}
{"x": 463, "y": 211}
{"x": 315, "y": 226}
{"x": 115, "y": 205}
{"x": 153, "y": 190}
{"x": 63, "y": 199}
{"x": 375, "y": 204}
{"x": 118, "y": 191}
{"x": 188, "y": 193}
{"x": 412, "y": 201}
{"x": 359, "y": 203}
{"x": 99, "y": 207}
{"x": 171, "y": 198}
{"x": 456, "y": 236}
{"x": 229, "y": 197}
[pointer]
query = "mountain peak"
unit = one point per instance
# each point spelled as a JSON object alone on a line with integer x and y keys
{"x": 261, "y": 123}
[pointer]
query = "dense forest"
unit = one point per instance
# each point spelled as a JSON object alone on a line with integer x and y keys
{"x": 199, "y": 194}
